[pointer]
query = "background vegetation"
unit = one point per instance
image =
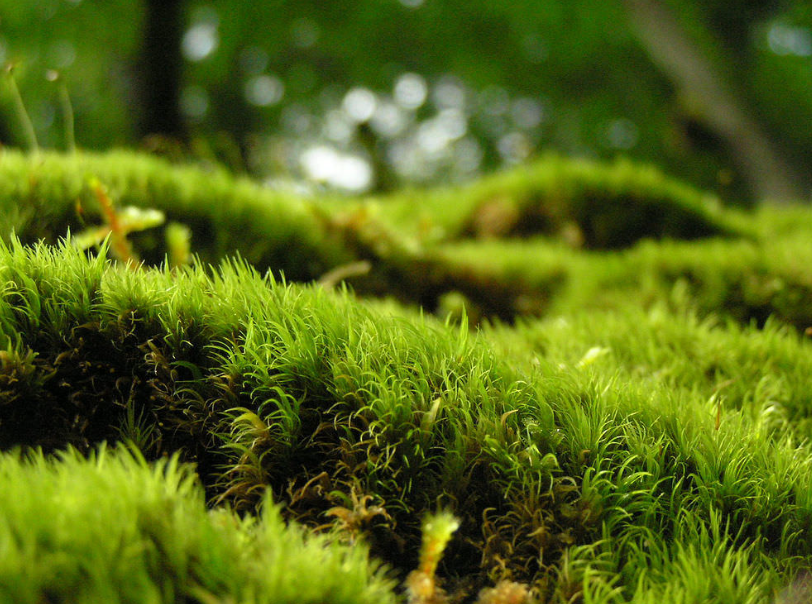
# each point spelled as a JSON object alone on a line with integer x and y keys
{"x": 387, "y": 91}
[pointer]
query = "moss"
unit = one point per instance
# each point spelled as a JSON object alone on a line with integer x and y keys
{"x": 578, "y": 202}
{"x": 646, "y": 437}
{"x": 112, "y": 528}
{"x": 43, "y": 196}
{"x": 742, "y": 279}
{"x": 565, "y": 479}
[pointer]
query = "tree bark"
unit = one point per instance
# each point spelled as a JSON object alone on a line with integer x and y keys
{"x": 160, "y": 68}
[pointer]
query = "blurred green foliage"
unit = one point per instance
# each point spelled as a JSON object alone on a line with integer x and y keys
{"x": 266, "y": 82}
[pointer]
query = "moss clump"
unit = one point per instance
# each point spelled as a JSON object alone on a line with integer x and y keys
{"x": 271, "y": 387}
{"x": 573, "y": 473}
{"x": 111, "y": 528}
{"x": 410, "y": 242}
{"x": 43, "y": 196}
{"x": 582, "y": 203}
{"x": 645, "y": 439}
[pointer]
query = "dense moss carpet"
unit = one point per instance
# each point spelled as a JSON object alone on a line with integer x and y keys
{"x": 573, "y": 382}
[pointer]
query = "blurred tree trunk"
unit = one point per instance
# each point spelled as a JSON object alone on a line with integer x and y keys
{"x": 759, "y": 160}
{"x": 160, "y": 69}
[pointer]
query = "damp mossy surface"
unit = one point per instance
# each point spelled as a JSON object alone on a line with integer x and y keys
{"x": 609, "y": 419}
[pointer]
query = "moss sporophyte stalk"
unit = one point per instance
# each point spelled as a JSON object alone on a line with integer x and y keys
{"x": 23, "y": 118}
{"x": 120, "y": 223}
{"x": 422, "y": 583}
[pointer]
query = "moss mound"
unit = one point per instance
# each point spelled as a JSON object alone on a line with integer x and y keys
{"x": 43, "y": 196}
{"x": 216, "y": 433}
{"x": 112, "y": 528}
{"x": 408, "y": 245}
{"x": 578, "y": 482}
{"x": 583, "y": 203}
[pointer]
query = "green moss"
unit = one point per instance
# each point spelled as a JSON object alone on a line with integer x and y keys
{"x": 574, "y": 202}
{"x": 39, "y": 196}
{"x": 111, "y": 528}
{"x": 569, "y": 477}
{"x": 742, "y": 279}
{"x": 583, "y": 203}
{"x": 645, "y": 438}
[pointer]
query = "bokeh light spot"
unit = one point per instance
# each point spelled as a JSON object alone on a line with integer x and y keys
{"x": 343, "y": 171}
{"x": 389, "y": 120}
{"x": 410, "y": 90}
{"x": 359, "y": 104}
{"x": 253, "y": 60}
{"x": 264, "y": 90}
{"x": 200, "y": 41}
{"x": 337, "y": 127}
{"x": 449, "y": 93}
{"x": 784, "y": 40}
{"x": 305, "y": 32}
{"x": 296, "y": 119}
{"x": 527, "y": 113}
{"x": 494, "y": 100}
{"x": 622, "y": 133}
{"x": 514, "y": 147}
{"x": 453, "y": 123}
